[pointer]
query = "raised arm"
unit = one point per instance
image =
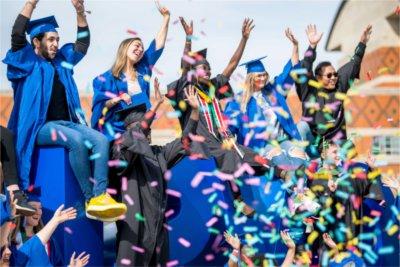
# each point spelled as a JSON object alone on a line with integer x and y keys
{"x": 162, "y": 34}
{"x": 295, "y": 51}
{"x": 188, "y": 44}
{"x": 246, "y": 29}
{"x": 291, "y": 252}
{"x": 59, "y": 217}
{"x": 18, "y": 37}
{"x": 83, "y": 37}
{"x": 351, "y": 70}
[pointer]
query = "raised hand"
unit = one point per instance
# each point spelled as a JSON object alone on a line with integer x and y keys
{"x": 191, "y": 96}
{"x": 79, "y": 6}
{"x": 157, "y": 94}
{"x": 79, "y": 261}
{"x": 188, "y": 29}
{"x": 287, "y": 239}
{"x": 291, "y": 37}
{"x": 163, "y": 10}
{"x": 33, "y": 2}
{"x": 234, "y": 241}
{"x": 366, "y": 34}
{"x": 61, "y": 215}
{"x": 247, "y": 27}
{"x": 371, "y": 160}
{"x": 313, "y": 36}
{"x": 328, "y": 241}
{"x": 392, "y": 181}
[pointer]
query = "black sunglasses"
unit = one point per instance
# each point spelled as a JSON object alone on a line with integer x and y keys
{"x": 329, "y": 75}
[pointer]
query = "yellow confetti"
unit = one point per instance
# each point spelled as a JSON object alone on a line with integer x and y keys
{"x": 340, "y": 96}
{"x": 384, "y": 70}
{"x": 101, "y": 121}
{"x": 182, "y": 105}
{"x": 315, "y": 84}
{"x": 311, "y": 238}
{"x": 374, "y": 174}
{"x": 146, "y": 78}
{"x": 104, "y": 111}
{"x": 392, "y": 230}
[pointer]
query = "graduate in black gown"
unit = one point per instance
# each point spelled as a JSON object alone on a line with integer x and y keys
{"x": 142, "y": 239}
{"x": 218, "y": 141}
{"x": 322, "y": 94}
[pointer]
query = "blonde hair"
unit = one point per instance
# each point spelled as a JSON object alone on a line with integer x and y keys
{"x": 121, "y": 60}
{"x": 248, "y": 90}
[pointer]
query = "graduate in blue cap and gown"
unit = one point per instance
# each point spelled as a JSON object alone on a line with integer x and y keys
{"x": 127, "y": 81}
{"x": 47, "y": 108}
{"x": 260, "y": 117}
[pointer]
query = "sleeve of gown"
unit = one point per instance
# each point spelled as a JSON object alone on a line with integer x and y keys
{"x": 20, "y": 63}
{"x": 83, "y": 40}
{"x": 180, "y": 145}
{"x": 152, "y": 54}
{"x": 70, "y": 55}
{"x": 173, "y": 91}
{"x": 233, "y": 114}
{"x": 36, "y": 252}
{"x": 18, "y": 37}
{"x": 351, "y": 70}
{"x": 303, "y": 89}
{"x": 222, "y": 87}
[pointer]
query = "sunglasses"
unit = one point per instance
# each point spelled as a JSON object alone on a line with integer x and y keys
{"x": 329, "y": 75}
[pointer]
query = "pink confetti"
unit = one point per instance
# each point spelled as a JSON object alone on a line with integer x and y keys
{"x": 224, "y": 176}
{"x": 157, "y": 71}
{"x": 212, "y": 221}
{"x": 131, "y": 32}
{"x": 154, "y": 184}
{"x": 173, "y": 193}
{"x": 137, "y": 249}
{"x": 209, "y": 257}
{"x": 63, "y": 137}
{"x": 68, "y": 230}
{"x": 218, "y": 186}
{"x": 167, "y": 175}
{"x": 169, "y": 213}
{"x": 197, "y": 138}
{"x": 101, "y": 78}
{"x": 198, "y": 178}
{"x": 184, "y": 242}
{"x": 125, "y": 261}
{"x": 175, "y": 22}
{"x": 53, "y": 135}
{"x": 111, "y": 191}
{"x": 203, "y": 33}
{"x": 172, "y": 263}
{"x": 244, "y": 168}
{"x": 129, "y": 199}
{"x": 252, "y": 181}
{"x": 207, "y": 191}
{"x": 222, "y": 204}
{"x": 188, "y": 59}
{"x": 375, "y": 213}
{"x": 124, "y": 184}
{"x": 110, "y": 95}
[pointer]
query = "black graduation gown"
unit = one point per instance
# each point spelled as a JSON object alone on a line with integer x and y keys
{"x": 146, "y": 187}
{"x": 308, "y": 94}
{"x": 227, "y": 161}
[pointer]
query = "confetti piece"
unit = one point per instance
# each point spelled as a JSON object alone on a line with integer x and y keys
{"x": 222, "y": 204}
{"x": 116, "y": 163}
{"x": 172, "y": 263}
{"x": 94, "y": 156}
{"x": 184, "y": 242}
{"x": 137, "y": 249}
{"x": 169, "y": 213}
{"x": 167, "y": 175}
{"x": 53, "y": 135}
{"x": 173, "y": 193}
{"x": 67, "y": 65}
{"x": 212, "y": 221}
{"x": 68, "y": 230}
{"x": 311, "y": 238}
{"x": 82, "y": 34}
{"x": 218, "y": 186}
{"x": 197, "y": 138}
{"x": 154, "y": 184}
{"x": 392, "y": 230}
{"x": 139, "y": 217}
{"x": 124, "y": 183}
{"x": 252, "y": 181}
{"x": 61, "y": 134}
{"x": 386, "y": 250}
{"x": 125, "y": 261}
{"x": 198, "y": 178}
{"x": 129, "y": 200}
{"x": 111, "y": 191}
{"x": 315, "y": 84}
{"x": 209, "y": 257}
{"x": 174, "y": 114}
{"x": 131, "y": 32}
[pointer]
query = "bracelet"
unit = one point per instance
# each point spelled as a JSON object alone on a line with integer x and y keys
{"x": 188, "y": 38}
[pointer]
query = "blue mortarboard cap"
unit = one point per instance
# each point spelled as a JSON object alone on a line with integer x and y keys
{"x": 34, "y": 194}
{"x": 140, "y": 104}
{"x": 254, "y": 65}
{"x": 38, "y": 26}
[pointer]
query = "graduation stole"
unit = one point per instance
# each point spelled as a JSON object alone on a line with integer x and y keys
{"x": 212, "y": 113}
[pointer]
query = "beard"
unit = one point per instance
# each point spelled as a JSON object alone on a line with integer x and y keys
{"x": 44, "y": 51}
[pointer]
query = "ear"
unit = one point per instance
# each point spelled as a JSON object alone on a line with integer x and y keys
{"x": 36, "y": 42}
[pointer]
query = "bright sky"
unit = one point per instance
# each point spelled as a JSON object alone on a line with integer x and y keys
{"x": 217, "y": 26}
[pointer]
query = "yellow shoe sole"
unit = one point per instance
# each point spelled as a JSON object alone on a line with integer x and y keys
{"x": 107, "y": 212}
{"x": 102, "y": 219}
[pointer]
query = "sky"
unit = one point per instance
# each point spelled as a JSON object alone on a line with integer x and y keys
{"x": 217, "y": 26}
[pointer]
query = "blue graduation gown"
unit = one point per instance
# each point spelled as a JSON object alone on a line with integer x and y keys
{"x": 106, "y": 82}
{"x": 31, "y": 253}
{"x": 32, "y": 81}
{"x": 240, "y": 120}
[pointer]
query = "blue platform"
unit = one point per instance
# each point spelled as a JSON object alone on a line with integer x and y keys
{"x": 51, "y": 172}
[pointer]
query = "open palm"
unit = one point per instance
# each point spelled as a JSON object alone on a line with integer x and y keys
{"x": 313, "y": 35}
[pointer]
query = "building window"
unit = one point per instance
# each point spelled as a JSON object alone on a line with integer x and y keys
{"x": 386, "y": 145}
